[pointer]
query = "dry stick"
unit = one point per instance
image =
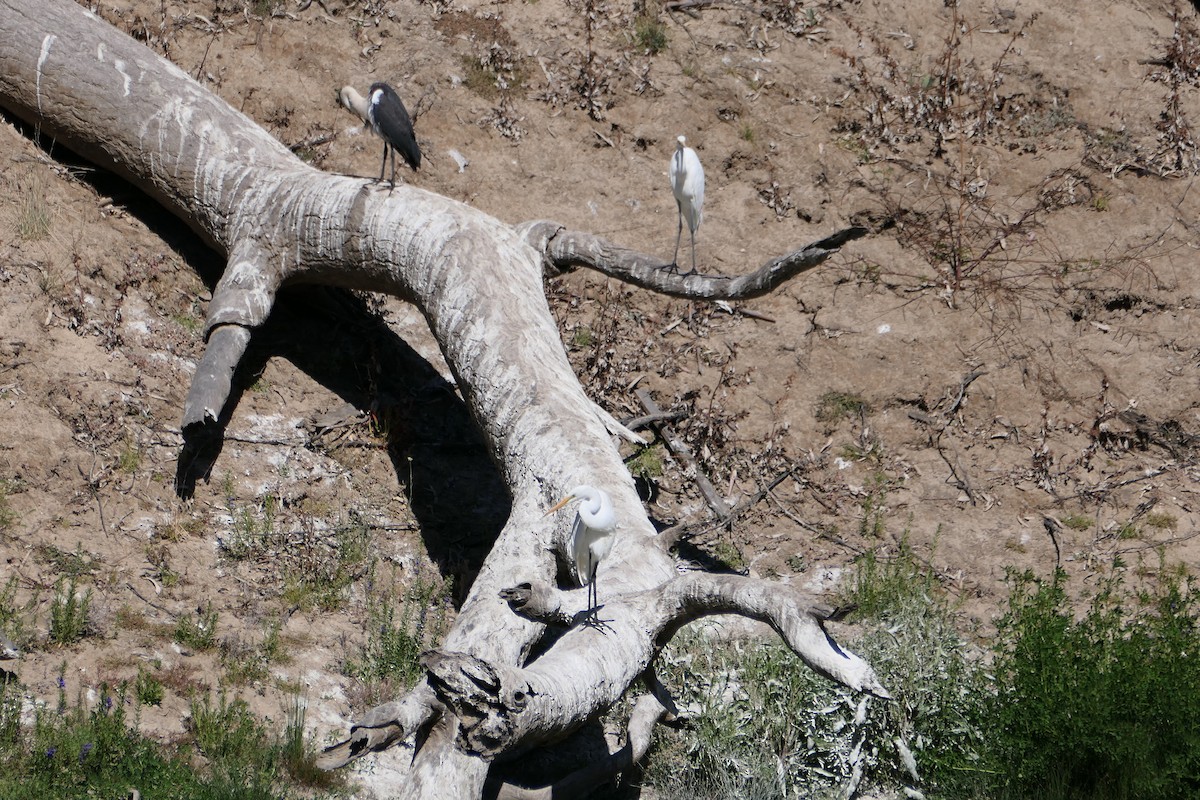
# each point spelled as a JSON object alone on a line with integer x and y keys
{"x": 565, "y": 250}
{"x": 1108, "y": 487}
{"x": 1053, "y": 527}
{"x": 311, "y": 142}
{"x": 927, "y": 419}
{"x": 1162, "y": 543}
{"x": 669, "y": 536}
{"x": 745, "y": 312}
{"x": 957, "y": 471}
{"x": 967, "y": 380}
{"x": 151, "y": 603}
{"x": 637, "y": 423}
{"x": 680, "y": 451}
{"x": 808, "y": 526}
{"x": 686, "y": 5}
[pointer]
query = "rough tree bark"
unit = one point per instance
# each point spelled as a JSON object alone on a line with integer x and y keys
{"x": 478, "y": 282}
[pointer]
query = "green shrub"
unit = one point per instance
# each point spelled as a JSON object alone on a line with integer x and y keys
{"x": 12, "y": 618}
{"x": 200, "y": 632}
{"x": 649, "y": 34}
{"x": 230, "y": 737}
{"x": 69, "y": 612}
{"x": 78, "y": 752}
{"x": 1106, "y": 706}
{"x": 393, "y": 648}
{"x": 761, "y": 724}
{"x": 149, "y": 689}
{"x": 8, "y": 517}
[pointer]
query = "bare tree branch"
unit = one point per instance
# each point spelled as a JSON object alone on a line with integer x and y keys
{"x": 564, "y": 251}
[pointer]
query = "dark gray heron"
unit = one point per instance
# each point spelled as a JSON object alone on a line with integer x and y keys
{"x": 384, "y": 111}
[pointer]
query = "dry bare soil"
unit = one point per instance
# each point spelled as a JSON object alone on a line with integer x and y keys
{"x": 1022, "y": 344}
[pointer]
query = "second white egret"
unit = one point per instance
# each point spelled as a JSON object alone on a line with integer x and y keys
{"x": 687, "y": 182}
{"x": 591, "y": 538}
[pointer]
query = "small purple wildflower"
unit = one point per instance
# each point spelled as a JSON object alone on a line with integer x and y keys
{"x": 50, "y": 753}
{"x": 108, "y": 702}
{"x": 62, "y": 682}
{"x": 83, "y": 752}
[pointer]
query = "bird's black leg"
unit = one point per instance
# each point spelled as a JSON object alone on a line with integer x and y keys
{"x": 394, "y": 174}
{"x": 591, "y": 618}
{"x": 384, "y": 164}
{"x": 693, "y": 272}
{"x": 674, "y": 265}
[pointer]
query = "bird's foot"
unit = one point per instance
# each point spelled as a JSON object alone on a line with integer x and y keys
{"x": 591, "y": 619}
{"x": 670, "y": 269}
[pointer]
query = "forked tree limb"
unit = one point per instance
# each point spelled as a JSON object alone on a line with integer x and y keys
{"x": 479, "y": 285}
{"x": 386, "y": 726}
{"x": 566, "y": 250}
{"x": 502, "y": 710}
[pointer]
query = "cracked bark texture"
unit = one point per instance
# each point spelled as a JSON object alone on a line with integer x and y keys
{"x": 478, "y": 282}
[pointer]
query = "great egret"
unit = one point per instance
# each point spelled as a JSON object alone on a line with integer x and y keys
{"x": 383, "y": 110}
{"x": 687, "y": 182}
{"x": 591, "y": 538}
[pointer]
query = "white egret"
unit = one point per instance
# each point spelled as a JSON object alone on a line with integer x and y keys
{"x": 687, "y": 182}
{"x": 384, "y": 111}
{"x": 591, "y": 538}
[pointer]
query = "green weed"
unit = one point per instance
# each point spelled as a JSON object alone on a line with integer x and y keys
{"x": 252, "y": 530}
{"x": 646, "y": 462}
{"x": 12, "y": 616}
{"x": 833, "y": 407}
{"x": 298, "y": 756}
{"x": 198, "y": 632}
{"x": 873, "y": 523}
{"x": 1078, "y": 522}
{"x": 321, "y": 568}
{"x": 649, "y": 34}
{"x": 583, "y": 338}
{"x": 189, "y": 321}
{"x": 148, "y": 689}
{"x": 1161, "y": 521}
{"x": 389, "y": 659}
{"x": 70, "y": 564}
{"x": 251, "y": 663}
{"x": 130, "y": 458}
{"x": 33, "y": 219}
{"x": 69, "y": 612}
{"x": 78, "y": 752}
{"x": 8, "y": 517}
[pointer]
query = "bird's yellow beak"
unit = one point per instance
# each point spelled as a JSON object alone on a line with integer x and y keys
{"x": 560, "y": 504}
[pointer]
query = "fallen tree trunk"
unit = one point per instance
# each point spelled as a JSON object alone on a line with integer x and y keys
{"x": 478, "y": 283}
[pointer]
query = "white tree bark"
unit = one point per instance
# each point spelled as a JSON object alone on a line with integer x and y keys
{"x": 478, "y": 282}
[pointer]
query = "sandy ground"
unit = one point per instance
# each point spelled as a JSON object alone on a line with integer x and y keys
{"x": 1054, "y": 376}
